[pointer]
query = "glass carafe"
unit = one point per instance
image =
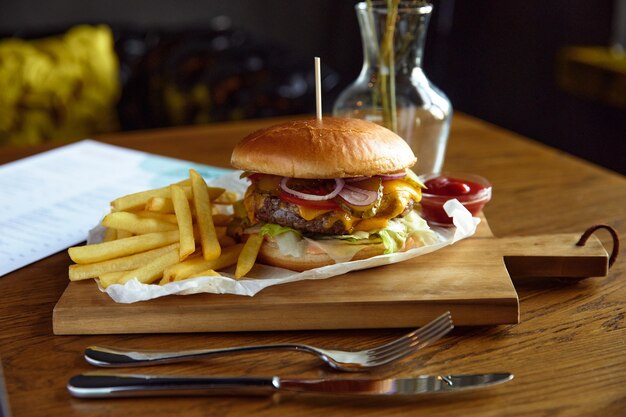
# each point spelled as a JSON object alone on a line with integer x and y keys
{"x": 392, "y": 89}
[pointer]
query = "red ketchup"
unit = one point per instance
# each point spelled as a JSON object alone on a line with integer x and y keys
{"x": 471, "y": 190}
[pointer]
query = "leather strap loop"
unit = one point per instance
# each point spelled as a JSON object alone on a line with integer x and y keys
{"x": 592, "y": 229}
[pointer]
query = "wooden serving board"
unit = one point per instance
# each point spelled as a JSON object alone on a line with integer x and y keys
{"x": 469, "y": 278}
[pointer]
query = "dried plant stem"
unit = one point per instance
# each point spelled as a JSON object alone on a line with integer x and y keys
{"x": 386, "y": 85}
{"x": 388, "y": 77}
{"x": 376, "y": 89}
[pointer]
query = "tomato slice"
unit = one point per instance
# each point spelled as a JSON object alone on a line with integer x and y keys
{"x": 322, "y": 205}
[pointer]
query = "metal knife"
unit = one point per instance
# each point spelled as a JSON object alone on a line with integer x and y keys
{"x": 102, "y": 384}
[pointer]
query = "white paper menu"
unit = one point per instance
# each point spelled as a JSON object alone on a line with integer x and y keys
{"x": 49, "y": 201}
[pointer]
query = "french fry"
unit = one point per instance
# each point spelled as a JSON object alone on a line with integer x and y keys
{"x": 110, "y": 278}
{"x": 83, "y": 271}
{"x": 131, "y": 222}
{"x": 109, "y": 234}
{"x": 221, "y": 219}
{"x": 216, "y": 194}
{"x": 165, "y": 205}
{"x": 208, "y": 238}
{"x": 227, "y": 197}
{"x": 122, "y": 247}
{"x": 248, "y": 255}
{"x": 185, "y": 222}
{"x": 137, "y": 200}
{"x": 164, "y": 280}
{"x": 123, "y": 234}
{"x": 153, "y": 270}
{"x": 220, "y": 231}
{"x": 207, "y": 273}
{"x": 196, "y": 264}
{"x": 160, "y": 205}
{"x": 166, "y": 217}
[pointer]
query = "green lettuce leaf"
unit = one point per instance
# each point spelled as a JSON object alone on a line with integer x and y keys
{"x": 399, "y": 230}
{"x": 393, "y": 237}
{"x": 273, "y": 230}
{"x": 289, "y": 240}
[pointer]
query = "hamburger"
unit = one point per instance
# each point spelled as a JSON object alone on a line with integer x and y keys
{"x": 329, "y": 191}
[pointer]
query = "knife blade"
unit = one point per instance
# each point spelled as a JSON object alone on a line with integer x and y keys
{"x": 110, "y": 385}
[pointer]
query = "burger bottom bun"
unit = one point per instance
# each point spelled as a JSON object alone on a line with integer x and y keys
{"x": 271, "y": 255}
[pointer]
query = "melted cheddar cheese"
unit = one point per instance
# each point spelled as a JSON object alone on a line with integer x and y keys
{"x": 372, "y": 223}
{"x": 347, "y": 220}
{"x": 400, "y": 186}
{"x": 308, "y": 213}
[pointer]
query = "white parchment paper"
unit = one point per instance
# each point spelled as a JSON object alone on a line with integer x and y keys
{"x": 262, "y": 276}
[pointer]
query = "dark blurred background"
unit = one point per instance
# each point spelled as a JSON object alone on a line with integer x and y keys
{"x": 502, "y": 61}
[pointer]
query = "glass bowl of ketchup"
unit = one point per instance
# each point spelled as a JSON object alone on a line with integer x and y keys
{"x": 473, "y": 191}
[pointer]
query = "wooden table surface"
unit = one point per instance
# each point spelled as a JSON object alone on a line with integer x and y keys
{"x": 568, "y": 353}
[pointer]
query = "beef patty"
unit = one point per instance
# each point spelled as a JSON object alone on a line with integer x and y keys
{"x": 274, "y": 210}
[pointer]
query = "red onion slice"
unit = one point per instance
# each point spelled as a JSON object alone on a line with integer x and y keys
{"x": 339, "y": 184}
{"x": 358, "y": 196}
{"x": 356, "y": 179}
{"x": 392, "y": 176}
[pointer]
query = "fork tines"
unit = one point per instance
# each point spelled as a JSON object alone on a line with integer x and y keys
{"x": 412, "y": 342}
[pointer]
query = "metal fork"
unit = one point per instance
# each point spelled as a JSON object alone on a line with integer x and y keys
{"x": 337, "y": 359}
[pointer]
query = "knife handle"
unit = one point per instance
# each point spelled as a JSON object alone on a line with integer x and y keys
{"x": 108, "y": 385}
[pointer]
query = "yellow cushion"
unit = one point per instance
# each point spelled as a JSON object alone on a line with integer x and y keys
{"x": 58, "y": 88}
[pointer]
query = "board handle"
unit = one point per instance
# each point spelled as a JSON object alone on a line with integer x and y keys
{"x": 585, "y": 236}
{"x": 565, "y": 255}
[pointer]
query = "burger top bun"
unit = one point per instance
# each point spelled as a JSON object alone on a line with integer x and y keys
{"x": 330, "y": 148}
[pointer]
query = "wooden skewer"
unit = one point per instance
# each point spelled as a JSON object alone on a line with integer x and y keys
{"x": 318, "y": 90}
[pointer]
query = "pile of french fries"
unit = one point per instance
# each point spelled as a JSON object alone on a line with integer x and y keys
{"x": 164, "y": 235}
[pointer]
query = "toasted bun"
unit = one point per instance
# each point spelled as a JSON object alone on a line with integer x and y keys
{"x": 331, "y": 148}
{"x": 271, "y": 255}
